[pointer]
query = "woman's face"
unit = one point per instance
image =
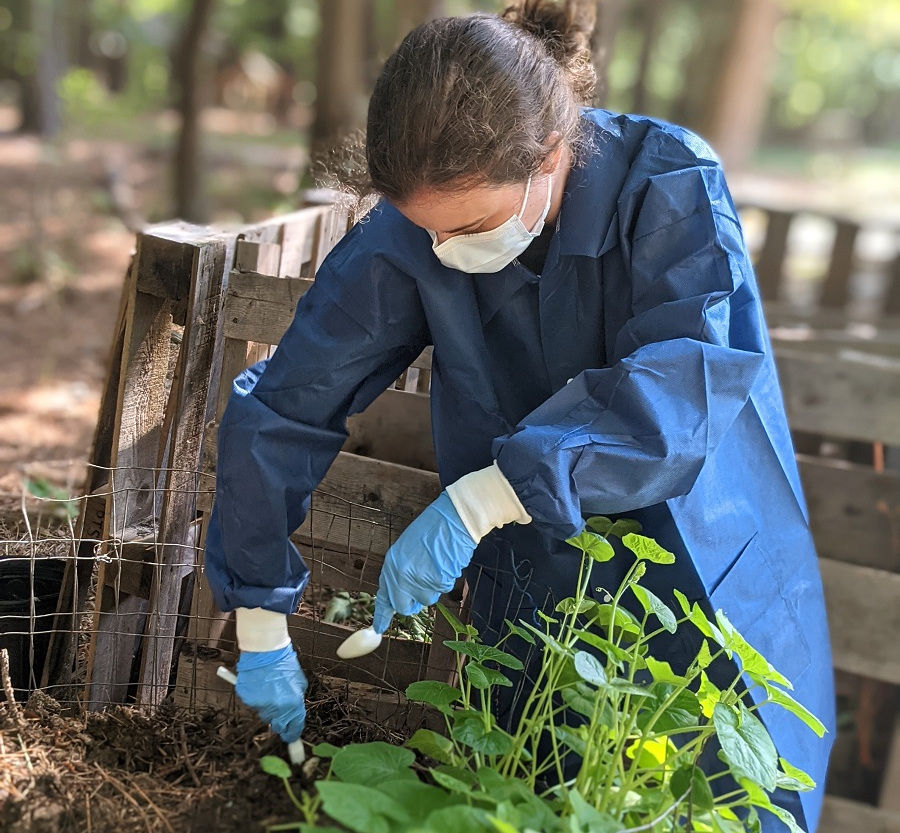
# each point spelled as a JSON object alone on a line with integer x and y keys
{"x": 483, "y": 207}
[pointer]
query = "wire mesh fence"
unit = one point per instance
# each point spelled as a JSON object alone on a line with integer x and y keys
{"x": 80, "y": 589}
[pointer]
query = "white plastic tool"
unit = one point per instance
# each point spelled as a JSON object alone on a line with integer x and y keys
{"x": 296, "y": 752}
{"x": 359, "y": 644}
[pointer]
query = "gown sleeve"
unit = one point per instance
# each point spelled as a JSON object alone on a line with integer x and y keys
{"x": 637, "y": 432}
{"x": 285, "y": 422}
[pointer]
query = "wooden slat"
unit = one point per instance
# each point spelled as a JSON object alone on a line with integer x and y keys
{"x": 396, "y": 664}
{"x": 892, "y": 297}
{"x": 839, "y": 815}
{"x": 890, "y": 784}
{"x": 190, "y": 390}
{"x": 260, "y": 307}
{"x": 843, "y": 393}
{"x": 770, "y": 262}
{"x": 854, "y": 512}
{"x": 864, "y": 618}
{"x": 395, "y": 427}
{"x": 835, "y": 290}
{"x": 256, "y": 256}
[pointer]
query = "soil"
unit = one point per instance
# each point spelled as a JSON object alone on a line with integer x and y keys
{"x": 174, "y": 771}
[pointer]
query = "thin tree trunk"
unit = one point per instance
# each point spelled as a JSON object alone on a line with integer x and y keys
{"x": 652, "y": 19}
{"x": 341, "y": 70}
{"x": 42, "y": 112}
{"x": 606, "y": 27}
{"x": 741, "y": 94}
{"x": 189, "y": 195}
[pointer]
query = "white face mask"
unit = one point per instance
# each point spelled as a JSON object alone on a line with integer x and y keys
{"x": 489, "y": 251}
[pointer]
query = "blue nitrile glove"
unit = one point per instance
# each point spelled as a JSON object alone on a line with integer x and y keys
{"x": 269, "y": 678}
{"x": 432, "y": 552}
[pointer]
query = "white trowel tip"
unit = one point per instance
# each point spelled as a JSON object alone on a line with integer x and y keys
{"x": 359, "y": 644}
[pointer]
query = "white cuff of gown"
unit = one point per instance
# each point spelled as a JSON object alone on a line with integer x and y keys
{"x": 485, "y": 500}
{"x": 261, "y": 630}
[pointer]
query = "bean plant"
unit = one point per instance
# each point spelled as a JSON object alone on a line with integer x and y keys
{"x": 609, "y": 738}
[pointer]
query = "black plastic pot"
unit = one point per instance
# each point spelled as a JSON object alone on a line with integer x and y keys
{"x": 17, "y": 631}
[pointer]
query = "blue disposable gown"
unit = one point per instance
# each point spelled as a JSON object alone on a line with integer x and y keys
{"x": 634, "y": 376}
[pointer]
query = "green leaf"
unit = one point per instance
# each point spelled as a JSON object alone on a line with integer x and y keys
{"x": 623, "y": 527}
{"x": 746, "y": 744}
{"x": 363, "y": 809}
{"x": 614, "y": 652}
{"x": 272, "y": 765}
{"x": 469, "y": 728}
{"x": 520, "y": 632}
{"x": 554, "y": 645}
{"x": 370, "y": 763}
{"x": 573, "y": 738}
{"x": 450, "y": 782}
{"x": 590, "y": 819}
{"x": 432, "y": 744}
{"x": 482, "y": 678}
{"x": 683, "y": 602}
{"x": 590, "y": 668}
{"x": 647, "y": 549}
{"x": 624, "y": 687}
{"x": 434, "y": 693}
{"x": 578, "y": 701}
{"x": 325, "y": 750}
{"x": 417, "y": 798}
{"x": 653, "y": 604}
{"x": 460, "y": 817}
{"x": 599, "y": 524}
{"x": 692, "y": 780}
{"x": 793, "y": 778}
{"x": 568, "y": 606}
{"x": 786, "y": 701}
{"x": 458, "y": 627}
{"x": 484, "y": 653}
{"x": 752, "y": 661}
{"x": 708, "y": 694}
{"x": 704, "y": 655}
{"x": 624, "y": 620}
{"x": 662, "y": 672}
{"x": 593, "y": 545}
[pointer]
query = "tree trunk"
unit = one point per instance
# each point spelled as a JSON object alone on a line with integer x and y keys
{"x": 606, "y": 27}
{"x": 715, "y": 21}
{"x": 189, "y": 77}
{"x": 741, "y": 94}
{"x": 411, "y": 13}
{"x": 654, "y": 10}
{"x": 40, "y": 100}
{"x": 341, "y": 70}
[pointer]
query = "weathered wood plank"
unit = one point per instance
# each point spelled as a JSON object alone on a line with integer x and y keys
{"x": 845, "y": 393}
{"x": 840, "y": 815}
{"x": 864, "y": 617}
{"x": 260, "y": 307}
{"x": 854, "y": 512}
{"x": 835, "y": 289}
{"x": 396, "y": 663}
{"x": 190, "y": 389}
{"x": 889, "y": 798}
{"x": 395, "y": 427}
{"x": 257, "y": 256}
{"x": 770, "y": 260}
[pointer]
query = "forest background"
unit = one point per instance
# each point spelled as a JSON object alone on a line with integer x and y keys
{"x": 116, "y": 113}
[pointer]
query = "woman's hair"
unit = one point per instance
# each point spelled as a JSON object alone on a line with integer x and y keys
{"x": 482, "y": 98}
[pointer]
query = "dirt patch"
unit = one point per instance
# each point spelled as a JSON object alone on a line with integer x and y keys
{"x": 174, "y": 771}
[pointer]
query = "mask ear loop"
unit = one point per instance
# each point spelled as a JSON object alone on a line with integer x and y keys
{"x": 521, "y": 211}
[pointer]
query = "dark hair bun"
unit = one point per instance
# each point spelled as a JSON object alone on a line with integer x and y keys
{"x": 564, "y": 28}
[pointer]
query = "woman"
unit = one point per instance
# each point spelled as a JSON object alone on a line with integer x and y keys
{"x": 599, "y": 348}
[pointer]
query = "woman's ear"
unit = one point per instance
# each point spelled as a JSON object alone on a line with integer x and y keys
{"x": 551, "y": 160}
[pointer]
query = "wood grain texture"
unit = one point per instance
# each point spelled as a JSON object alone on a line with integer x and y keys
{"x": 854, "y": 512}
{"x": 864, "y": 617}
{"x": 841, "y": 393}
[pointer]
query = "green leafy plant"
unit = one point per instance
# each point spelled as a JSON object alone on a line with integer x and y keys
{"x": 609, "y": 738}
